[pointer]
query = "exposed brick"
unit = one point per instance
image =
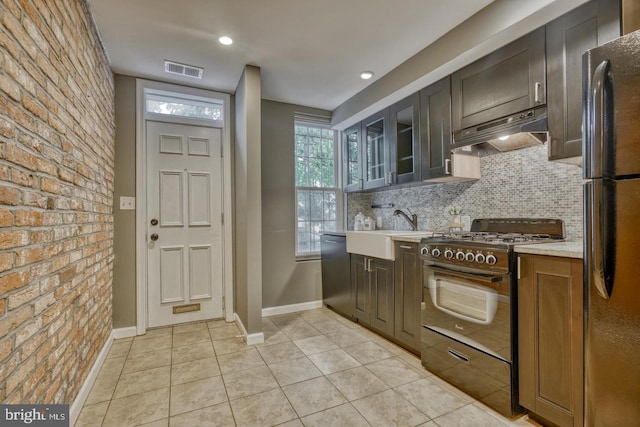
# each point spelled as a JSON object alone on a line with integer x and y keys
{"x": 13, "y": 238}
{"x": 6, "y": 263}
{"x": 10, "y": 87}
{"x": 14, "y": 319}
{"x": 28, "y": 218}
{"x": 31, "y": 198}
{"x": 19, "y": 375}
{"x": 7, "y": 128}
{"x": 23, "y": 179}
{"x": 35, "y": 107}
{"x": 6, "y": 218}
{"x": 50, "y": 186}
{"x": 6, "y": 347}
{"x": 30, "y": 141}
{"x": 28, "y": 256}
{"x": 9, "y": 195}
{"x": 19, "y": 156}
{"x": 11, "y": 281}
{"x": 56, "y": 187}
{"x": 23, "y": 296}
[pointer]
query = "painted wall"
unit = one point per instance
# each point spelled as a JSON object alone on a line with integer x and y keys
{"x": 284, "y": 281}
{"x": 248, "y": 201}
{"x": 521, "y": 183}
{"x": 124, "y": 233}
{"x": 56, "y": 193}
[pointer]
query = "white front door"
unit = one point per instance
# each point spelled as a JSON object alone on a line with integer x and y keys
{"x": 184, "y": 223}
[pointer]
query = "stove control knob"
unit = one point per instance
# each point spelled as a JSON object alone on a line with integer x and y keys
{"x": 491, "y": 259}
{"x": 424, "y": 250}
{"x": 460, "y": 255}
{"x": 469, "y": 256}
{"x": 435, "y": 252}
{"x": 448, "y": 254}
{"x": 480, "y": 258}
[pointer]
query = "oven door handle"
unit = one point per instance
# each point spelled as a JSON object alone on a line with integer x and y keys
{"x": 487, "y": 278}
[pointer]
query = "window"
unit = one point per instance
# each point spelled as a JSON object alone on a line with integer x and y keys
{"x": 174, "y": 105}
{"x": 317, "y": 194}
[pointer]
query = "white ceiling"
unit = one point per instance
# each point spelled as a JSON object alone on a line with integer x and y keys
{"x": 310, "y": 52}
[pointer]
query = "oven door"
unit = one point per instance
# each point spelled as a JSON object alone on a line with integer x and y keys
{"x": 470, "y": 306}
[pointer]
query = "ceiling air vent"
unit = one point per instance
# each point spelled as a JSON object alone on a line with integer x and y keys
{"x": 183, "y": 69}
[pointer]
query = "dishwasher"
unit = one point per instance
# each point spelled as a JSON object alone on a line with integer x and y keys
{"x": 336, "y": 274}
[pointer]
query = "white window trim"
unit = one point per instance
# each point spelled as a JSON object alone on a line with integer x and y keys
{"x": 312, "y": 120}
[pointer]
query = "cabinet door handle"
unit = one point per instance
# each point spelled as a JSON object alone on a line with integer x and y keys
{"x": 406, "y": 247}
{"x": 447, "y": 166}
{"x": 536, "y": 92}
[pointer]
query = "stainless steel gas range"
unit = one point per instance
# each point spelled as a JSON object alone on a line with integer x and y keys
{"x": 469, "y": 313}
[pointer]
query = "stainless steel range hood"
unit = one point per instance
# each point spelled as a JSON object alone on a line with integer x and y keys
{"x": 520, "y": 130}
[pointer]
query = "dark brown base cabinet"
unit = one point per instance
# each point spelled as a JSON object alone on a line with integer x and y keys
{"x": 550, "y": 338}
{"x": 388, "y": 294}
{"x": 372, "y": 284}
{"x": 408, "y": 295}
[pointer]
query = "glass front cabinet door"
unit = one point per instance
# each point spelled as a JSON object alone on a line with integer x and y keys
{"x": 404, "y": 143}
{"x": 353, "y": 180}
{"x": 376, "y": 153}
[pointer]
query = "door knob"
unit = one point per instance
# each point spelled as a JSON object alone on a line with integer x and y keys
{"x": 154, "y": 237}
{"x": 154, "y": 221}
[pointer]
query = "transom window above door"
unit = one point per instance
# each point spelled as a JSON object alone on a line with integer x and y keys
{"x": 171, "y": 104}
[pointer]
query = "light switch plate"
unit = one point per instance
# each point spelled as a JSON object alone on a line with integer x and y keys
{"x": 127, "y": 203}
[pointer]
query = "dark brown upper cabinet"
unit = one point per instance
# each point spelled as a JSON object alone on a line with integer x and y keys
{"x": 435, "y": 129}
{"x": 404, "y": 142}
{"x": 507, "y": 81}
{"x": 568, "y": 38}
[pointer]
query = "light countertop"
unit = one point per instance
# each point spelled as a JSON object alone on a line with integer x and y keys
{"x": 413, "y": 238}
{"x": 561, "y": 249}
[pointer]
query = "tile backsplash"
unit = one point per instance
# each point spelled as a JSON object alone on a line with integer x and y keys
{"x": 521, "y": 183}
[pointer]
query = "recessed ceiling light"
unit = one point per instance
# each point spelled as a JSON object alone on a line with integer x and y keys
{"x": 366, "y": 75}
{"x": 225, "y": 40}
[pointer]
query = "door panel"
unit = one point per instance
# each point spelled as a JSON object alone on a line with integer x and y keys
{"x": 184, "y": 192}
{"x": 200, "y": 271}
{"x": 171, "y": 277}
{"x": 171, "y": 199}
{"x": 199, "y": 195}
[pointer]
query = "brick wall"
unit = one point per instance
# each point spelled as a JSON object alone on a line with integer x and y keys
{"x": 56, "y": 191}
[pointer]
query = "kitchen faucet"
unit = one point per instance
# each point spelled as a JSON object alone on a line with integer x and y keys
{"x": 413, "y": 220}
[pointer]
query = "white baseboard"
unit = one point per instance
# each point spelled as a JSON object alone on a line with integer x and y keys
{"x": 291, "y": 308}
{"x": 78, "y": 402}
{"x": 129, "y": 332}
{"x": 251, "y": 339}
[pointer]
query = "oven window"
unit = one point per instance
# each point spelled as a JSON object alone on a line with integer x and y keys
{"x": 464, "y": 300}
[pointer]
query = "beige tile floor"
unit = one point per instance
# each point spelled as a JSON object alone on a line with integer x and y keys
{"x": 314, "y": 369}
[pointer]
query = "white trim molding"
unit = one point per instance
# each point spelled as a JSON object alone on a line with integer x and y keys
{"x": 291, "y": 308}
{"x": 251, "y": 339}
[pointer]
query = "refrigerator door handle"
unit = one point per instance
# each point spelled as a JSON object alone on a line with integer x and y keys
{"x": 598, "y": 223}
{"x": 597, "y": 132}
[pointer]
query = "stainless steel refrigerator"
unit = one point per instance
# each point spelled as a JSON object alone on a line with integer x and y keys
{"x": 611, "y": 82}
